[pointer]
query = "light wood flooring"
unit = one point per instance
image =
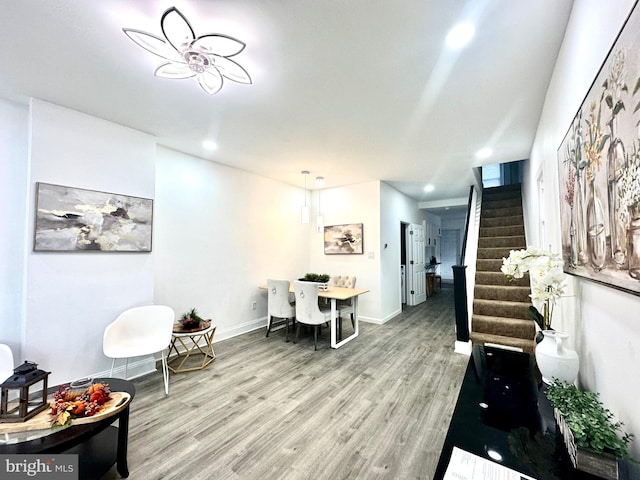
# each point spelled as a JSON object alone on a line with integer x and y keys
{"x": 377, "y": 408}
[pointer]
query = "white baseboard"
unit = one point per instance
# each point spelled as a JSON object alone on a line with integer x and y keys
{"x": 138, "y": 367}
{"x": 240, "y": 329}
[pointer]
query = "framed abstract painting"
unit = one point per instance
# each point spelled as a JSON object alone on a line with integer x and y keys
{"x": 343, "y": 239}
{"x": 72, "y": 219}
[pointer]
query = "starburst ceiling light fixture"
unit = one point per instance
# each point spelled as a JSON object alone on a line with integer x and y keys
{"x": 204, "y": 58}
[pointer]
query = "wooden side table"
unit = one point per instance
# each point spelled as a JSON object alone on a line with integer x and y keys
{"x": 191, "y": 344}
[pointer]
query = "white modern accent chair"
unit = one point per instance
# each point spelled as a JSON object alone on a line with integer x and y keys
{"x": 307, "y": 310}
{"x": 279, "y": 304}
{"x": 140, "y": 331}
{"x": 345, "y": 307}
{"x": 6, "y": 362}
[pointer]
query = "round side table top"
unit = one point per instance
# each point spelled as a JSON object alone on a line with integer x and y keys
{"x": 203, "y": 328}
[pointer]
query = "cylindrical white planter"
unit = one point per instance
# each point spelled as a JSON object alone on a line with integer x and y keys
{"x": 555, "y": 359}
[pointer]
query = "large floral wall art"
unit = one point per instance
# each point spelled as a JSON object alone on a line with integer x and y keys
{"x": 599, "y": 171}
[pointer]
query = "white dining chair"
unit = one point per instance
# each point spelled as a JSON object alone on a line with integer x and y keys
{"x": 345, "y": 307}
{"x": 6, "y": 362}
{"x": 279, "y": 304}
{"x": 140, "y": 331}
{"x": 307, "y": 310}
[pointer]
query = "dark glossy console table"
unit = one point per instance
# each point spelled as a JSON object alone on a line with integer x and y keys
{"x": 99, "y": 445}
{"x": 502, "y": 409}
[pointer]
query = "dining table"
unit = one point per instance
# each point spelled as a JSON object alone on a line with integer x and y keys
{"x": 335, "y": 294}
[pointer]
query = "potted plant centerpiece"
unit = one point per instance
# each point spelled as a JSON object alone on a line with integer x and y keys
{"x": 190, "y": 320}
{"x": 554, "y": 358}
{"x": 593, "y": 439}
{"x": 321, "y": 278}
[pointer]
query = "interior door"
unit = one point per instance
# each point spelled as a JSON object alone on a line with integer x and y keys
{"x": 415, "y": 259}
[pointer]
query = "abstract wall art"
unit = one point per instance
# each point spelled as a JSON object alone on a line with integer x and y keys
{"x": 72, "y": 219}
{"x": 343, "y": 239}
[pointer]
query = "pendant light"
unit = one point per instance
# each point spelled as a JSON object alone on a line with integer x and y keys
{"x": 319, "y": 219}
{"x": 305, "y": 207}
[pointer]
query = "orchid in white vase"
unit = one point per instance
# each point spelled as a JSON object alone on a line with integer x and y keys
{"x": 547, "y": 277}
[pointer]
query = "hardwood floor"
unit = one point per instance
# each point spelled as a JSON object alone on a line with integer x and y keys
{"x": 378, "y": 408}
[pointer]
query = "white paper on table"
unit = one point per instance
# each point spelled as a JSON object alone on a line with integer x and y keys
{"x": 467, "y": 466}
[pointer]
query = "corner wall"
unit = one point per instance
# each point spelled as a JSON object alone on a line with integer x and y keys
{"x": 220, "y": 233}
{"x": 14, "y": 167}
{"x": 71, "y": 297}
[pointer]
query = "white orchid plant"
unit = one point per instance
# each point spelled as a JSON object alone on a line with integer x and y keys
{"x": 547, "y": 277}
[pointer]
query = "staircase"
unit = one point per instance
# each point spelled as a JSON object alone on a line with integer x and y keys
{"x": 501, "y": 306}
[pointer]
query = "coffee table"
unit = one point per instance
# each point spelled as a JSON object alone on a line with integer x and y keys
{"x": 99, "y": 445}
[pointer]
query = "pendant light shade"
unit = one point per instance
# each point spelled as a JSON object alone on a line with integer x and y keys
{"x": 319, "y": 218}
{"x": 305, "y": 214}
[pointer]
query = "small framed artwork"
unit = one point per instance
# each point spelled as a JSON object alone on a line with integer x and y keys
{"x": 343, "y": 239}
{"x": 72, "y": 219}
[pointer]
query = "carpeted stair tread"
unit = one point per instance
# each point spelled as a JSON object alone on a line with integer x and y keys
{"x": 506, "y": 202}
{"x": 488, "y": 265}
{"x": 497, "y": 212}
{"x": 511, "y": 293}
{"x": 504, "y": 326}
{"x": 501, "y": 221}
{"x": 502, "y": 308}
{"x": 524, "y": 344}
{"x": 511, "y": 241}
{"x": 493, "y": 277}
{"x": 494, "y": 252}
{"x": 502, "y": 231}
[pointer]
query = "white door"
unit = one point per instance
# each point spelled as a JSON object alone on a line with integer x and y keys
{"x": 415, "y": 258}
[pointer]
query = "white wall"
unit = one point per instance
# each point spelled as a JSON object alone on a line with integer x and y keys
{"x": 220, "y": 233}
{"x": 13, "y": 210}
{"x": 603, "y": 322}
{"x": 394, "y": 209}
{"x": 71, "y": 297}
{"x": 351, "y": 204}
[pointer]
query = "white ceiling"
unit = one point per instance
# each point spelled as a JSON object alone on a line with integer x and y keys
{"x": 352, "y": 90}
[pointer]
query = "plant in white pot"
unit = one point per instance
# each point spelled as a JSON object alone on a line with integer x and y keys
{"x": 594, "y": 439}
{"x": 554, "y": 358}
{"x": 321, "y": 278}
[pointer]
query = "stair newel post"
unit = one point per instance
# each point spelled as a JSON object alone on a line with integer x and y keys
{"x": 460, "y": 301}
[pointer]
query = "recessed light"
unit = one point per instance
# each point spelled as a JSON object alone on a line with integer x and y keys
{"x": 484, "y": 153}
{"x": 429, "y": 188}
{"x": 460, "y": 35}
{"x": 210, "y": 145}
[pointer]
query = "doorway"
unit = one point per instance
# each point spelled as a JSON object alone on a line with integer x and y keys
{"x": 449, "y": 253}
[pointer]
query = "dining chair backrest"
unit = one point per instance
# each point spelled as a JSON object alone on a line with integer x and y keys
{"x": 307, "y": 309}
{"x": 278, "y": 304}
{"x": 6, "y": 362}
{"x": 347, "y": 281}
